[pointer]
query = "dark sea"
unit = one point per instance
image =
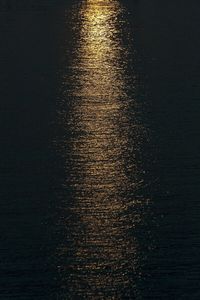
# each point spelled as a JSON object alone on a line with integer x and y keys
{"x": 100, "y": 149}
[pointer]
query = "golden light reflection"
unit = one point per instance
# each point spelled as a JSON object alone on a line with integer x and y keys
{"x": 100, "y": 254}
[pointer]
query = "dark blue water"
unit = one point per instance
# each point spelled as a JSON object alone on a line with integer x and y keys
{"x": 99, "y": 111}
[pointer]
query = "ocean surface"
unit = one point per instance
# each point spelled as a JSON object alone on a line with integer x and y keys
{"x": 99, "y": 155}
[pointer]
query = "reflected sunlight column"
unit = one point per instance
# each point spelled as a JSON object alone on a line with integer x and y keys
{"x": 100, "y": 257}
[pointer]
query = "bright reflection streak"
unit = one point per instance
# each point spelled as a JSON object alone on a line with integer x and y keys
{"x": 100, "y": 258}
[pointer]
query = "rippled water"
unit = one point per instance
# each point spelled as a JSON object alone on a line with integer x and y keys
{"x": 99, "y": 150}
{"x": 102, "y": 137}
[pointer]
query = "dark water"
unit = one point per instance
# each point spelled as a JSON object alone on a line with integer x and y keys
{"x": 100, "y": 149}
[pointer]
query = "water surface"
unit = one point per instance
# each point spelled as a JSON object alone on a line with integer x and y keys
{"x": 99, "y": 150}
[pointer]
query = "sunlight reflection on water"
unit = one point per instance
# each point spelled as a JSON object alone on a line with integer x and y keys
{"x": 99, "y": 255}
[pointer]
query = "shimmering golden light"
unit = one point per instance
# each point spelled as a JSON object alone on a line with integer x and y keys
{"x": 103, "y": 254}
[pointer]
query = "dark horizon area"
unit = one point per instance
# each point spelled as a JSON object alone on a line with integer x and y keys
{"x": 100, "y": 160}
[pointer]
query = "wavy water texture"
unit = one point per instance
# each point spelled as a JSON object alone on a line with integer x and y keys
{"x": 100, "y": 254}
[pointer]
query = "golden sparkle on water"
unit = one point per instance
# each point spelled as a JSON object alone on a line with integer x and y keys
{"x": 100, "y": 254}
